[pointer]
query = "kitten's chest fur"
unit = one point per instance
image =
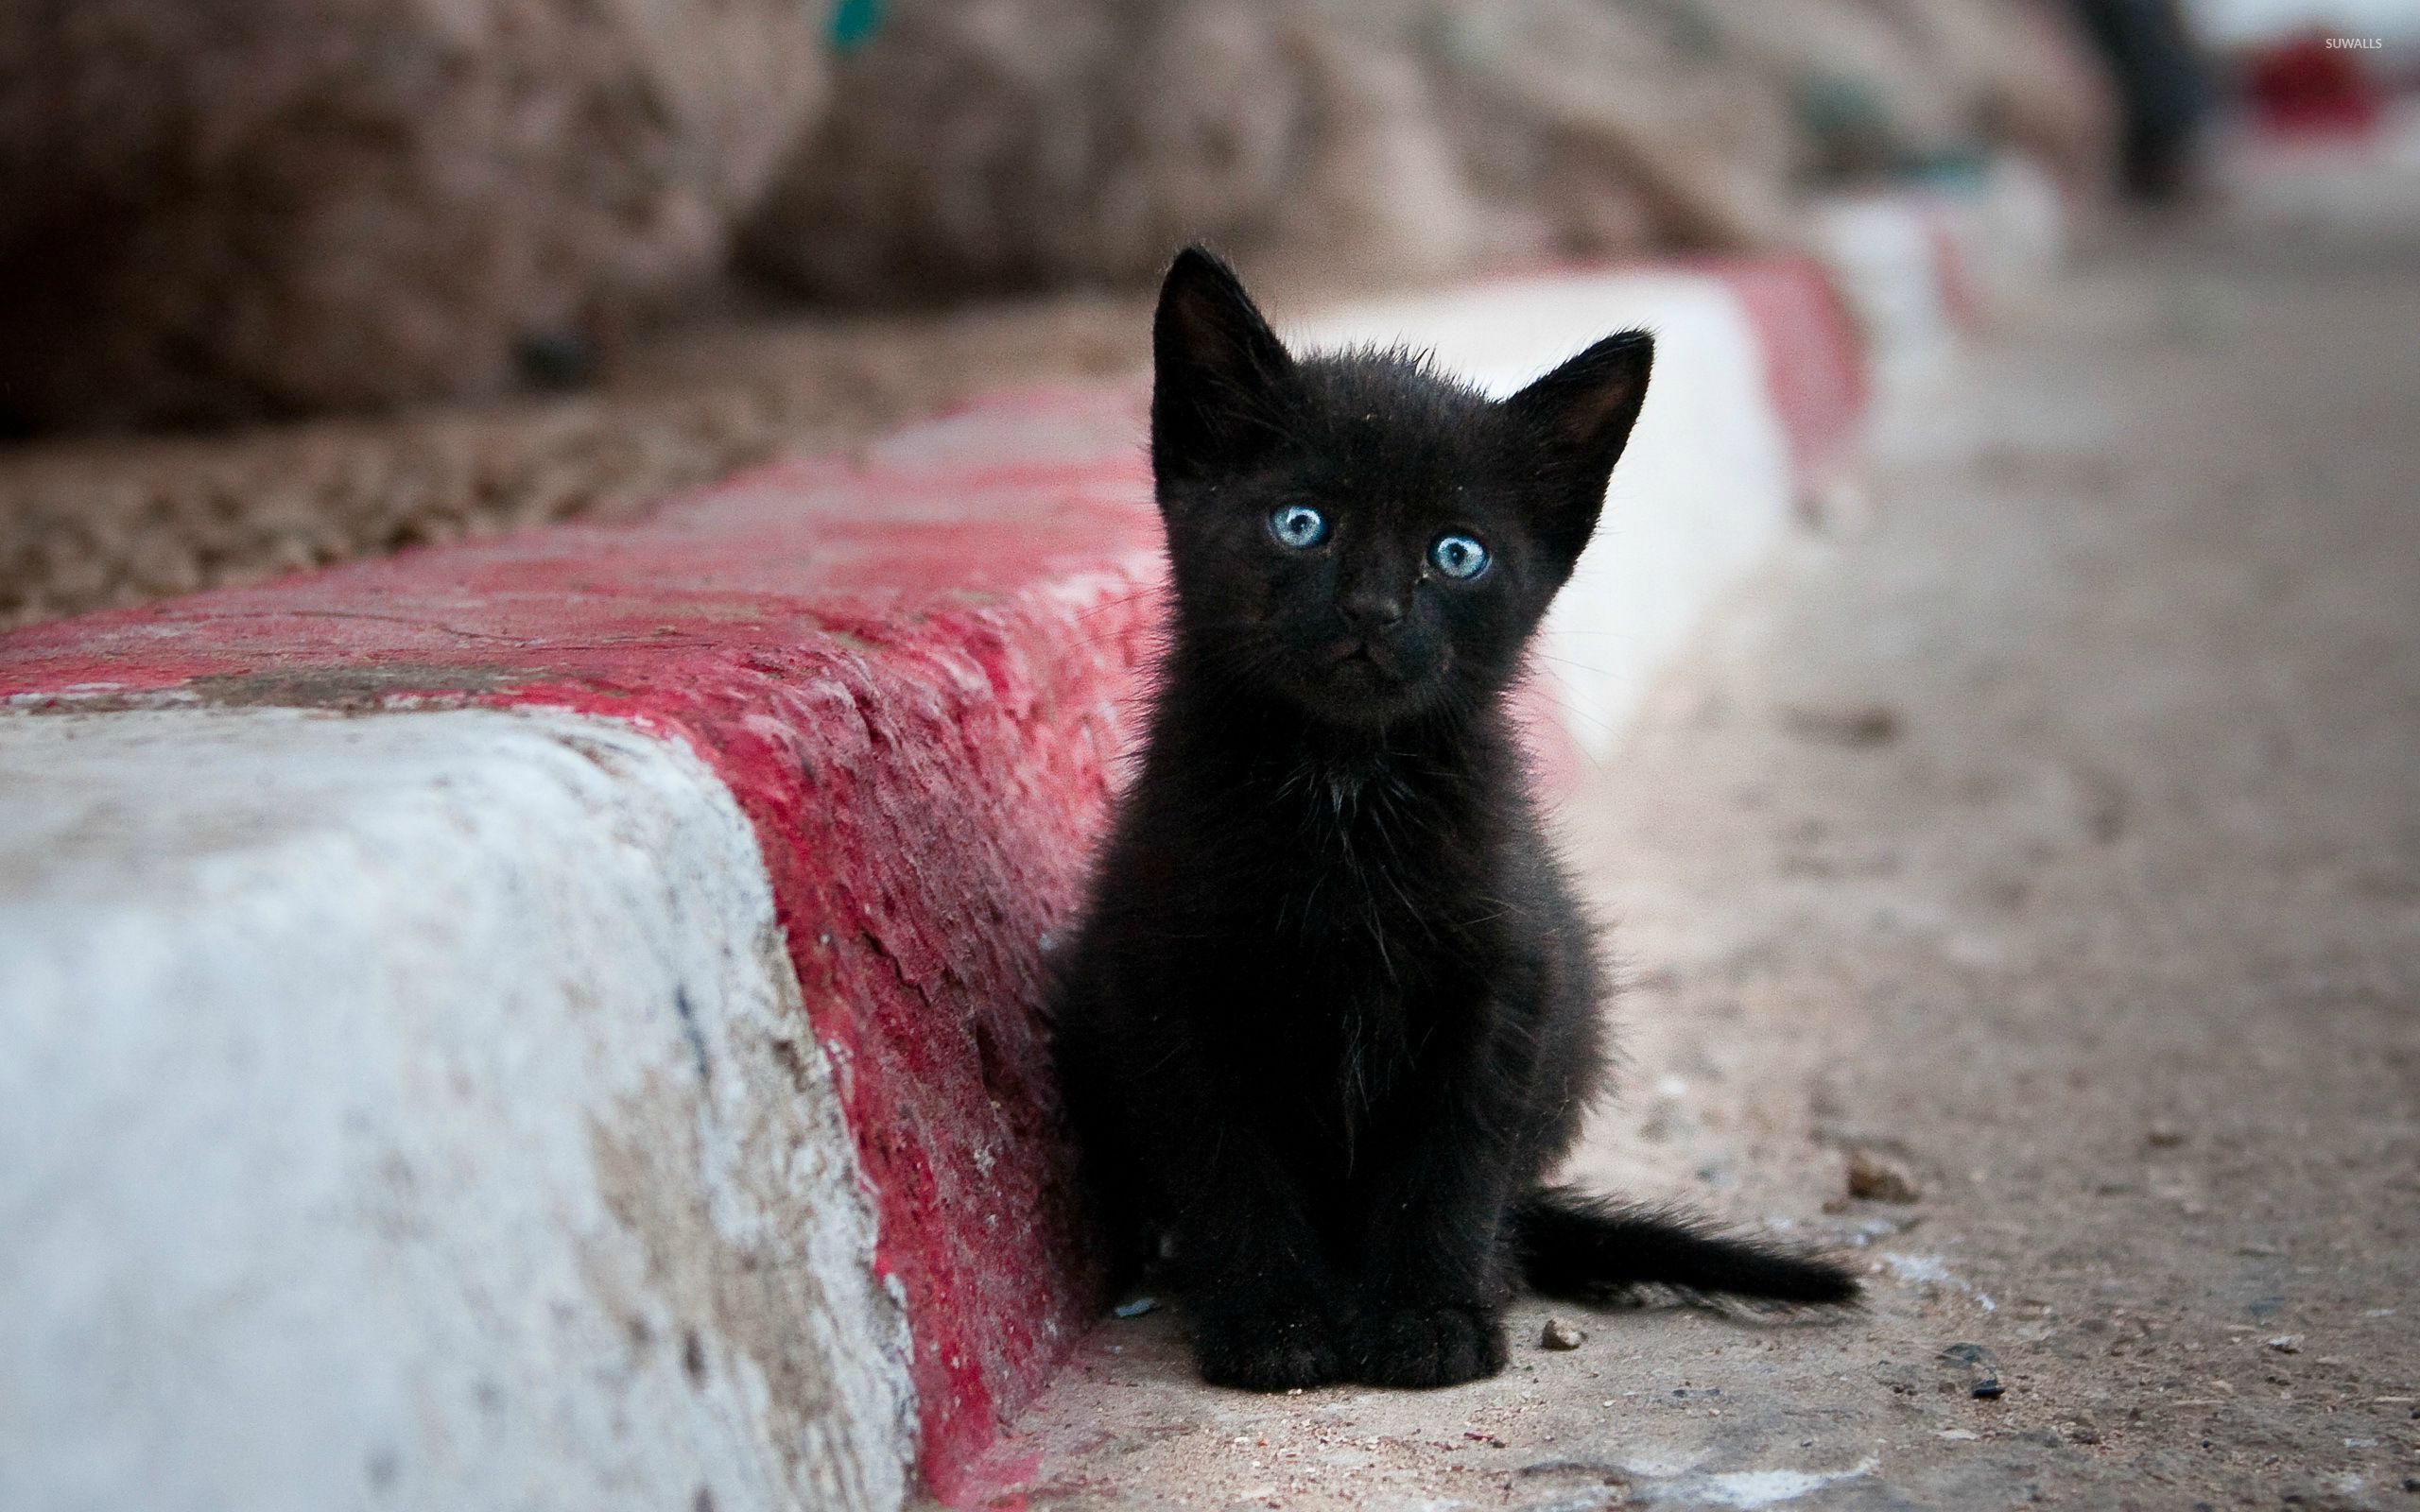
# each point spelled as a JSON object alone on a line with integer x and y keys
{"x": 1344, "y": 906}
{"x": 1370, "y": 861}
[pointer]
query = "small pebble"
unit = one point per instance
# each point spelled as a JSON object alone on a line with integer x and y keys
{"x": 1875, "y": 1178}
{"x": 1981, "y": 1366}
{"x": 2287, "y": 1344}
{"x": 1853, "y": 725}
{"x": 1558, "y": 1334}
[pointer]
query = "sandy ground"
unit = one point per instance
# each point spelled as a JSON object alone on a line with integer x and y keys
{"x": 98, "y": 522}
{"x": 2055, "y": 840}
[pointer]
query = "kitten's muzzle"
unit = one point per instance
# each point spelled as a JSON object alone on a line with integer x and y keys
{"x": 1367, "y": 680}
{"x": 1353, "y": 648}
{"x": 1366, "y": 658}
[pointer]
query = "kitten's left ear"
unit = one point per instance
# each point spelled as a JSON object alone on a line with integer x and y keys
{"x": 1580, "y": 414}
{"x": 1217, "y": 369}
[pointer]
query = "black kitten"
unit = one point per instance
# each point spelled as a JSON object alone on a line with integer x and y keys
{"x": 1334, "y": 1011}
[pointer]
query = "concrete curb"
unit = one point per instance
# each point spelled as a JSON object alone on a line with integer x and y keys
{"x": 625, "y": 967}
{"x": 367, "y": 1080}
{"x": 909, "y": 672}
{"x": 1920, "y": 267}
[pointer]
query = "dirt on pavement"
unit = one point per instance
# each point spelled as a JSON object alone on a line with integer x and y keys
{"x": 91, "y": 522}
{"x": 2050, "y": 849}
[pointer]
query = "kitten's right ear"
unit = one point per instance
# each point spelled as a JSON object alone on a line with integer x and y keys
{"x": 1217, "y": 369}
{"x": 1579, "y": 416}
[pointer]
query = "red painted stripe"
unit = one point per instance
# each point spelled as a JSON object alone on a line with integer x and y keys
{"x": 1815, "y": 358}
{"x": 1958, "y": 295}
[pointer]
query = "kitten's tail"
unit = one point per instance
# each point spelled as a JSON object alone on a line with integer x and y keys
{"x": 1580, "y": 1247}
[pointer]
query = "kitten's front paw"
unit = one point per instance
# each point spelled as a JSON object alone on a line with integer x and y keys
{"x": 1272, "y": 1351}
{"x": 1425, "y": 1346}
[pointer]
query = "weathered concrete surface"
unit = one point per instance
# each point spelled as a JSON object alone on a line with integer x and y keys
{"x": 2057, "y": 840}
{"x": 418, "y": 1111}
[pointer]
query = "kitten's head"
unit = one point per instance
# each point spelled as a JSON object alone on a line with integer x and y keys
{"x": 1357, "y": 534}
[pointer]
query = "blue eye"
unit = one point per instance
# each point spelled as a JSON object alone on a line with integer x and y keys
{"x": 1458, "y": 556}
{"x": 1299, "y": 525}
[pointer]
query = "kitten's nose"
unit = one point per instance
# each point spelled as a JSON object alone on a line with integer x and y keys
{"x": 1368, "y": 610}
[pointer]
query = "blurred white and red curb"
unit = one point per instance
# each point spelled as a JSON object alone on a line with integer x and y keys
{"x": 1987, "y": 246}
{"x": 553, "y": 1021}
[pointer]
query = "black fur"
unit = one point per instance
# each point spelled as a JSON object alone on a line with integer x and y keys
{"x": 1333, "y": 1011}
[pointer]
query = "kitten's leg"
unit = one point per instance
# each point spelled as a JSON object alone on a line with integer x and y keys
{"x": 1175, "y": 1143}
{"x": 1264, "y": 1309}
{"x": 1263, "y": 1306}
{"x": 1435, "y": 1268}
{"x": 1435, "y": 1284}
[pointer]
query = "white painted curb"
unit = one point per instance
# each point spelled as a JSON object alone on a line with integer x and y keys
{"x": 415, "y": 1110}
{"x": 1704, "y": 490}
{"x": 1920, "y": 267}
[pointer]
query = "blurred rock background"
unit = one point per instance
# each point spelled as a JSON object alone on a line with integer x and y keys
{"x": 283, "y": 282}
{"x": 228, "y": 209}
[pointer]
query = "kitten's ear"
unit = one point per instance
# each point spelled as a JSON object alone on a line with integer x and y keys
{"x": 1580, "y": 414}
{"x": 1215, "y": 371}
